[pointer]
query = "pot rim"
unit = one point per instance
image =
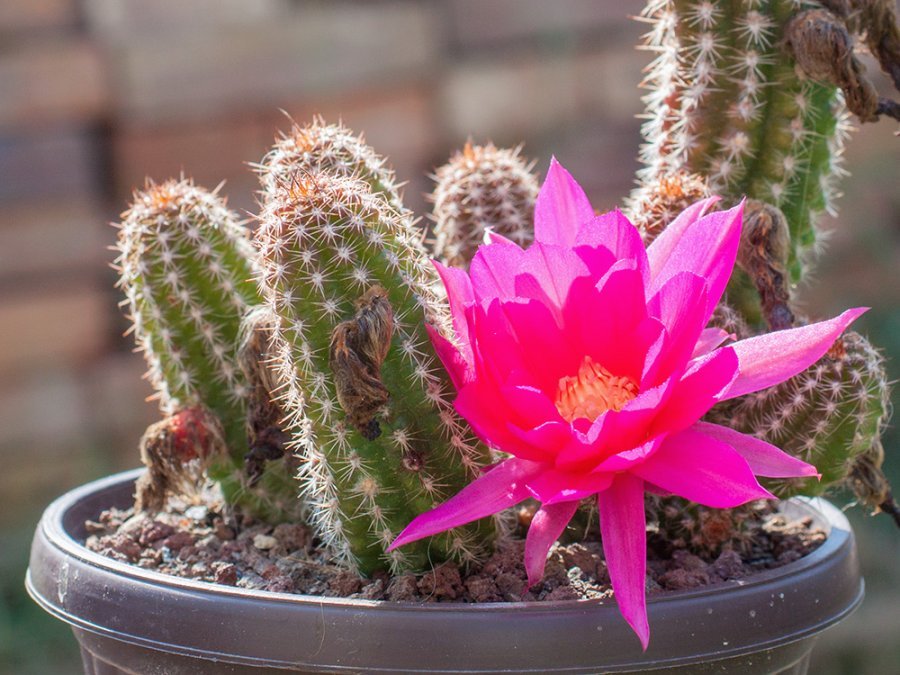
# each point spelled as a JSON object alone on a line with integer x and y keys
{"x": 837, "y": 551}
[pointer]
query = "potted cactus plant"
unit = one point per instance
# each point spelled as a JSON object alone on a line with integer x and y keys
{"x": 649, "y": 368}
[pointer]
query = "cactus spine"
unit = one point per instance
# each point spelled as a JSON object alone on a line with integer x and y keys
{"x": 365, "y": 395}
{"x": 726, "y": 102}
{"x": 186, "y": 271}
{"x": 483, "y": 187}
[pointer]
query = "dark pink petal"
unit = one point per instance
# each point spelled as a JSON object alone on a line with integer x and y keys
{"x": 461, "y": 373}
{"x": 661, "y": 247}
{"x": 615, "y": 432}
{"x": 626, "y": 459}
{"x": 498, "y": 488}
{"x": 605, "y": 321}
{"x": 709, "y": 339}
{"x": 547, "y": 273}
{"x": 560, "y": 208}
{"x": 774, "y": 357}
{"x": 702, "y": 469}
{"x": 550, "y": 437}
{"x": 495, "y": 238}
{"x": 623, "y": 528}
{"x": 546, "y": 526}
{"x": 460, "y": 296}
{"x": 546, "y": 350}
{"x": 615, "y": 233}
{"x": 493, "y": 270}
{"x": 698, "y": 390}
{"x": 764, "y": 458}
{"x": 552, "y": 486}
{"x": 708, "y": 248}
{"x": 477, "y": 403}
{"x": 681, "y": 307}
{"x": 598, "y": 259}
{"x": 529, "y": 407}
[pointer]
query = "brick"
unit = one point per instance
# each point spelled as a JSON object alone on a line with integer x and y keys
{"x": 476, "y": 23}
{"x": 124, "y": 19}
{"x": 50, "y": 164}
{"x": 36, "y": 15}
{"x": 262, "y": 65}
{"x": 52, "y": 238}
{"x": 53, "y": 328}
{"x": 209, "y": 152}
{"x": 53, "y": 80}
{"x": 509, "y": 101}
{"x": 607, "y": 84}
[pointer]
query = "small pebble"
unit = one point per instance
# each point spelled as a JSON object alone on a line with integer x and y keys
{"x": 264, "y": 542}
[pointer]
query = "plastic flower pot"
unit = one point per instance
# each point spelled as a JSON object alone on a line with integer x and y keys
{"x": 129, "y": 620}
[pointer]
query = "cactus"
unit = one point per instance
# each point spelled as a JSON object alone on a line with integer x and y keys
{"x": 186, "y": 271}
{"x": 831, "y": 415}
{"x": 481, "y": 188}
{"x": 344, "y": 273}
{"x": 726, "y": 102}
{"x": 330, "y": 148}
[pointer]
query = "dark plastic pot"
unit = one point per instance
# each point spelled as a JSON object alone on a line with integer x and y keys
{"x": 129, "y": 620}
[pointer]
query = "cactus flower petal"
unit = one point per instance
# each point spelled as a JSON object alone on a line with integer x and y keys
{"x": 546, "y": 526}
{"x": 623, "y": 529}
{"x": 587, "y": 359}
{"x": 764, "y": 458}
{"x": 561, "y": 207}
{"x": 768, "y": 359}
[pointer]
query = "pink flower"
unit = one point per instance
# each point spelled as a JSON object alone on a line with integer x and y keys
{"x": 586, "y": 359}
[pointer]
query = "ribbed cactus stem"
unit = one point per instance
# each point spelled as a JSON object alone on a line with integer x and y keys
{"x": 831, "y": 415}
{"x": 319, "y": 147}
{"x": 366, "y": 398}
{"x": 482, "y": 188}
{"x": 187, "y": 273}
{"x": 727, "y": 102}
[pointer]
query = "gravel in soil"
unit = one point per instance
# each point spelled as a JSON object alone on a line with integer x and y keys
{"x": 196, "y": 542}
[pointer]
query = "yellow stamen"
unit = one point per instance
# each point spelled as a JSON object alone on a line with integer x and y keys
{"x": 592, "y": 392}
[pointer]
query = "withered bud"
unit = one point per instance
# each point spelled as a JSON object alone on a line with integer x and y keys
{"x": 764, "y": 252}
{"x": 823, "y": 49}
{"x": 265, "y": 436}
{"x": 358, "y": 348}
{"x": 176, "y": 452}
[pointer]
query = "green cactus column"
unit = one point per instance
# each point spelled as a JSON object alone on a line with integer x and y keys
{"x": 726, "y": 102}
{"x": 482, "y": 187}
{"x": 187, "y": 273}
{"x": 368, "y": 402}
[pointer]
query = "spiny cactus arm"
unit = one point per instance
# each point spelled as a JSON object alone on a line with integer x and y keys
{"x": 187, "y": 276}
{"x": 319, "y": 147}
{"x": 324, "y": 242}
{"x": 726, "y": 102}
{"x": 831, "y": 415}
{"x": 482, "y": 187}
{"x": 187, "y": 273}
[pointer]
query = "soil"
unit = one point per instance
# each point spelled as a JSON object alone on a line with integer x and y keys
{"x": 194, "y": 541}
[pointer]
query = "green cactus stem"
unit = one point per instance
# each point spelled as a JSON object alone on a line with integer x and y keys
{"x": 366, "y": 398}
{"x": 186, "y": 271}
{"x": 319, "y": 147}
{"x": 830, "y": 415}
{"x": 482, "y": 187}
{"x": 727, "y": 102}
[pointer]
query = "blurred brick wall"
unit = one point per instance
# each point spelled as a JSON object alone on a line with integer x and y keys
{"x": 97, "y": 94}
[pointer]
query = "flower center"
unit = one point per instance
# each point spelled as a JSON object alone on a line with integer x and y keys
{"x": 592, "y": 392}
